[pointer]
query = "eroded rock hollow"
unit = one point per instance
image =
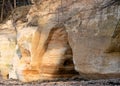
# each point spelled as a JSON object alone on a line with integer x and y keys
{"x": 47, "y": 59}
{"x": 41, "y": 53}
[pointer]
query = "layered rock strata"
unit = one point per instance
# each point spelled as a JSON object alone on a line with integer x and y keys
{"x": 63, "y": 35}
{"x": 41, "y": 53}
{"x": 50, "y": 60}
{"x": 91, "y": 26}
{"x": 7, "y": 47}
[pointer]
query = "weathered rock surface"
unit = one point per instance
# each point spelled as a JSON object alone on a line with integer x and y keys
{"x": 62, "y": 34}
{"x": 50, "y": 60}
{"x": 7, "y": 47}
{"x": 95, "y": 51}
{"x": 41, "y": 53}
{"x": 90, "y": 25}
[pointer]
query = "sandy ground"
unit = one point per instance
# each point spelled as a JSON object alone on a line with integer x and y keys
{"x": 76, "y": 81}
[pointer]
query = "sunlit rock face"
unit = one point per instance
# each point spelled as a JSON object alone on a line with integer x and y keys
{"x": 7, "y": 47}
{"x": 24, "y": 33}
{"x": 42, "y": 52}
{"x": 91, "y": 26}
{"x": 95, "y": 48}
{"x": 62, "y": 35}
{"x": 44, "y": 59}
{"x": 54, "y": 61}
{"x": 22, "y": 56}
{"x": 95, "y": 51}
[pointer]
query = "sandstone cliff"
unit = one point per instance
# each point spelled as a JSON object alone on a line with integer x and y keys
{"x": 60, "y": 36}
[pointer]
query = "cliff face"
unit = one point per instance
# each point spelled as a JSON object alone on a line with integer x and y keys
{"x": 93, "y": 33}
{"x": 62, "y": 35}
{"x": 40, "y": 53}
{"x": 7, "y": 48}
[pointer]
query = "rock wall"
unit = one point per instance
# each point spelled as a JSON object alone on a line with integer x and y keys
{"x": 95, "y": 50}
{"x": 91, "y": 26}
{"x": 41, "y": 53}
{"x": 61, "y": 35}
{"x": 7, "y": 47}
